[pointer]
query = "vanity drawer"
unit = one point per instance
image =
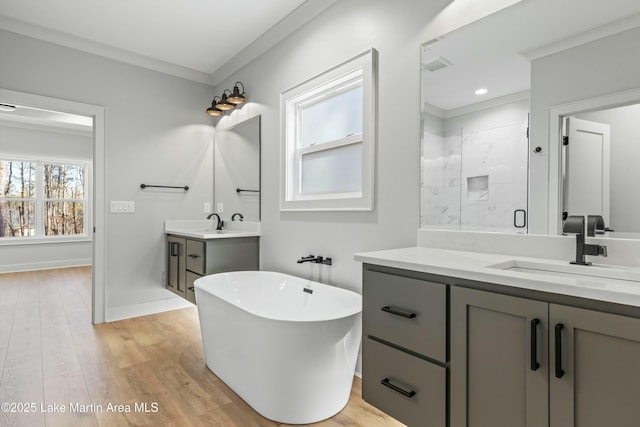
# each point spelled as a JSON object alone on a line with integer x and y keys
{"x": 410, "y": 313}
{"x": 195, "y": 256}
{"x": 381, "y": 363}
{"x": 190, "y": 292}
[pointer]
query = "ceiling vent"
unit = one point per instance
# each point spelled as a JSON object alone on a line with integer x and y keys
{"x": 435, "y": 64}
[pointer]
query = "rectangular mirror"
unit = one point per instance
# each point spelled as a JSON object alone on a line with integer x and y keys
{"x": 237, "y": 170}
{"x": 474, "y": 131}
{"x": 479, "y": 170}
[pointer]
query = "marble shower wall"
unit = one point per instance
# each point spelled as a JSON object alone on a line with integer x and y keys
{"x": 440, "y": 180}
{"x": 474, "y": 180}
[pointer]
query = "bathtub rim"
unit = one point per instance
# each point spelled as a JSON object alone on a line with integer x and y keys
{"x": 357, "y": 310}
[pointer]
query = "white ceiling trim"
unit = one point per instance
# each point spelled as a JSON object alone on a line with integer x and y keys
{"x": 290, "y": 23}
{"x": 56, "y": 127}
{"x": 609, "y": 29}
{"x": 74, "y": 42}
{"x": 286, "y": 26}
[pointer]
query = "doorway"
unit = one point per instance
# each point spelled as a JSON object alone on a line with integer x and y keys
{"x": 96, "y": 219}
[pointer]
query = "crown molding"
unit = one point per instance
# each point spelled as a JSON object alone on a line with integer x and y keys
{"x": 606, "y": 30}
{"x": 281, "y": 30}
{"x": 478, "y": 106}
{"x": 85, "y": 45}
{"x": 55, "y": 127}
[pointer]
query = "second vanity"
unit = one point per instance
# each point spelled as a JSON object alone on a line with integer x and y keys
{"x": 463, "y": 338}
{"x": 195, "y": 249}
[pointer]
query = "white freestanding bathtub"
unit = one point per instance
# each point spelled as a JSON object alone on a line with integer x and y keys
{"x": 285, "y": 345}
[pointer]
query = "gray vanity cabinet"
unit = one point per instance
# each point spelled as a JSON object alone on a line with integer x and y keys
{"x": 176, "y": 264}
{"x": 404, "y": 357}
{"x": 599, "y": 357}
{"x": 499, "y": 367}
{"x": 522, "y": 362}
{"x": 190, "y": 259}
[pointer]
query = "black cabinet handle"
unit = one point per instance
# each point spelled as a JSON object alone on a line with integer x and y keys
{"x": 401, "y": 313}
{"x": 174, "y": 248}
{"x": 534, "y": 344}
{"x": 191, "y": 288}
{"x": 385, "y": 382}
{"x": 194, "y": 256}
{"x": 558, "y": 340}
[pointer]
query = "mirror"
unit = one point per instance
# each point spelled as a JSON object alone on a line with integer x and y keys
{"x": 462, "y": 156}
{"x": 237, "y": 170}
{"x": 591, "y": 185}
{"x": 474, "y": 141}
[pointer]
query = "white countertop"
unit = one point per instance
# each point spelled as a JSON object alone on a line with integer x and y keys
{"x": 477, "y": 266}
{"x": 205, "y": 229}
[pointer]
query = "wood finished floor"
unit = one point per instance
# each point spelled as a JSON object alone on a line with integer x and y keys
{"x": 50, "y": 354}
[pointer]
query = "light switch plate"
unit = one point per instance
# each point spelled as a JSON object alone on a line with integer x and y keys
{"x": 207, "y": 207}
{"x": 220, "y": 207}
{"x": 122, "y": 206}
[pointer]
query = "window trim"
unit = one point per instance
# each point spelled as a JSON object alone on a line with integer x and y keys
{"x": 312, "y": 91}
{"x": 39, "y": 201}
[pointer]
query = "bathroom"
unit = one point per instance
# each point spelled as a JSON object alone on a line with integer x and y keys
{"x": 154, "y": 122}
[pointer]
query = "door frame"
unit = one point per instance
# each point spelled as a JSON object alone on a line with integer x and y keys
{"x": 556, "y": 117}
{"x": 98, "y": 307}
{"x": 574, "y": 129}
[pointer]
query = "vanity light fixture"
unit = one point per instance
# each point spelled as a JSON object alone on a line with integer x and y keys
{"x": 228, "y": 101}
{"x": 213, "y": 111}
{"x": 236, "y": 97}
{"x": 481, "y": 91}
{"x": 7, "y": 107}
{"x": 224, "y": 104}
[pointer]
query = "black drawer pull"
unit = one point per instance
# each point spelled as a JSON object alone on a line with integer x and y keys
{"x": 406, "y": 314}
{"x": 534, "y": 344}
{"x": 558, "y": 342}
{"x": 385, "y": 382}
{"x": 191, "y": 288}
{"x": 193, "y": 256}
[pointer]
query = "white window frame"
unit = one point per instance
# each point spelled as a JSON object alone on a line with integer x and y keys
{"x": 39, "y": 202}
{"x": 357, "y": 71}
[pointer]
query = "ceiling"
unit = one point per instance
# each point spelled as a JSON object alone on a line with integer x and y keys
{"x": 36, "y": 118}
{"x": 495, "y": 52}
{"x": 193, "y": 39}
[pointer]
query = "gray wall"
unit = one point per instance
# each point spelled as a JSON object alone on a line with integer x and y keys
{"x": 348, "y": 28}
{"x": 156, "y": 133}
{"x": 605, "y": 66}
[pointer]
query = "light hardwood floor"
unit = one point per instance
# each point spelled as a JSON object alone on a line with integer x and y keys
{"x": 51, "y": 354}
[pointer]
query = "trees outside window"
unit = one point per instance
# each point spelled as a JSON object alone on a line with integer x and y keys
{"x": 41, "y": 199}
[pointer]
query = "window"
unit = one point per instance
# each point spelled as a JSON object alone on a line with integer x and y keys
{"x": 329, "y": 139}
{"x": 42, "y": 199}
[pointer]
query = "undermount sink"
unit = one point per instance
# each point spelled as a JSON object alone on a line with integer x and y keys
{"x": 600, "y": 273}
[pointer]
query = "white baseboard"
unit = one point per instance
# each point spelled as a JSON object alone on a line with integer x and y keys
{"x": 45, "y": 265}
{"x": 143, "y": 309}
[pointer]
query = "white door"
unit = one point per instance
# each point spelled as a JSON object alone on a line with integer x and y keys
{"x": 587, "y": 168}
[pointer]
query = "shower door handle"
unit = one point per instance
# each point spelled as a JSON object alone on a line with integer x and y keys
{"x": 523, "y": 218}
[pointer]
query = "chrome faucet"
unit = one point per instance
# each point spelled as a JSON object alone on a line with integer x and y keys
{"x": 220, "y": 222}
{"x": 575, "y": 225}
